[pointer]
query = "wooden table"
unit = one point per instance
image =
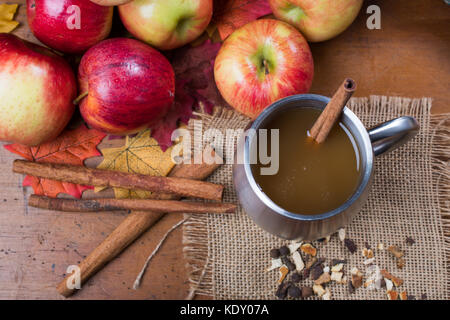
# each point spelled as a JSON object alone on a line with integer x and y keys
{"x": 409, "y": 56}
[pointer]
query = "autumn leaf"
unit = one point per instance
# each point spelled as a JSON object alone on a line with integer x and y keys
{"x": 230, "y": 15}
{"x": 195, "y": 88}
{"x": 140, "y": 154}
{"x": 7, "y": 12}
{"x": 71, "y": 147}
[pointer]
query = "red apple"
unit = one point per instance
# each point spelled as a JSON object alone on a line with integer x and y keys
{"x": 37, "y": 88}
{"x": 317, "y": 20}
{"x": 166, "y": 24}
{"x": 129, "y": 86}
{"x": 261, "y": 62}
{"x": 110, "y": 2}
{"x": 71, "y": 26}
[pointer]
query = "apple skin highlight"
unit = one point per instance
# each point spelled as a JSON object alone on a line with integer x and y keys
{"x": 37, "y": 88}
{"x": 166, "y": 24}
{"x": 130, "y": 86}
{"x": 49, "y": 20}
{"x": 262, "y": 62}
{"x": 317, "y": 20}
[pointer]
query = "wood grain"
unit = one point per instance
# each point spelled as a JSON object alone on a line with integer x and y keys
{"x": 409, "y": 56}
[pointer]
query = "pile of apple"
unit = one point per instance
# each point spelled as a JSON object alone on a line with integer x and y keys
{"x": 125, "y": 85}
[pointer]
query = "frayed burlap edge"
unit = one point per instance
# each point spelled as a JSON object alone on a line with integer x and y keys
{"x": 196, "y": 251}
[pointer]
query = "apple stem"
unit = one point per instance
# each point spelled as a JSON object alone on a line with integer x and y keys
{"x": 80, "y": 97}
{"x": 266, "y": 67}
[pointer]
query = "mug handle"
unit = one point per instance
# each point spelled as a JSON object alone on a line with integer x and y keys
{"x": 392, "y": 134}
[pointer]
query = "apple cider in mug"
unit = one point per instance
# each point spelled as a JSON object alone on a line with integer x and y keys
{"x": 312, "y": 178}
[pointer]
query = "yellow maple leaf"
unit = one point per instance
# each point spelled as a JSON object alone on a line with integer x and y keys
{"x": 7, "y": 23}
{"x": 140, "y": 154}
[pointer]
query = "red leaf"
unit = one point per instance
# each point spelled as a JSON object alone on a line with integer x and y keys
{"x": 195, "y": 88}
{"x": 71, "y": 147}
{"x": 232, "y": 14}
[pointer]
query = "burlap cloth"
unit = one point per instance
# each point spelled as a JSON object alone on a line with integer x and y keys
{"x": 229, "y": 253}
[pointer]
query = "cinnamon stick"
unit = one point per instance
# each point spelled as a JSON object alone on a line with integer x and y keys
{"x": 95, "y": 205}
{"x": 332, "y": 111}
{"x": 134, "y": 225}
{"x": 108, "y": 178}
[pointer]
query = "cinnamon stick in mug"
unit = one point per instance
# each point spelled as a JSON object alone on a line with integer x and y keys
{"x": 95, "y": 205}
{"x": 108, "y": 178}
{"x": 330, "y": 114}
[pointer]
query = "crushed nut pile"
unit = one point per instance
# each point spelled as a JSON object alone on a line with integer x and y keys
{"x": 298, "y": 262}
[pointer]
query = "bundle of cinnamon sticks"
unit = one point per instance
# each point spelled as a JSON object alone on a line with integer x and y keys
{"x": 183, "y": 181}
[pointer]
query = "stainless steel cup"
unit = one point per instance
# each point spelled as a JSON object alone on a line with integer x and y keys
{"x": 288, "y": 225}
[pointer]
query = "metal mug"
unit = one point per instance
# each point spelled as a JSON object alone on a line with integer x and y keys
{"x": 295, "y": 226}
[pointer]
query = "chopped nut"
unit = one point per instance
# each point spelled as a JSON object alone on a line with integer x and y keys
{"x": 369, "y": 261}
{"x": 396, "y": 251}
{"x": 308, "y": 249}
{"x": 357, "y": 280}
{"x": 327, "y": 294}
{"x": 368, "y": 253}
{"x": 288, "y": 263}
{"x": 341, "y": 234}
{"x": 326, "y": 269}
{"x": 284, "y": 251}
{"x": 307, "y": 292}
{"x": 293, "y": 247}
{"x": 337, "y": 276}
{"x": 281, "y": 292}
{"x": 397, "y": 281}
{"x": 351, "y": 246}
{"x": 392, "y": 294}
{"x": 337, "y": 267}
{"x": 276, "y": 263}
{"x": 311, "y": 262}
{"x": 318, "y": 290}
{"x": 324, "y": 278}
{"x": 389, "y": 284}
{"x": 403, "y": 295}
{"x": 296, "y": 277}
{"x": 274, "y": 253}
{"x": 343, "y": 281}
{"x": 380, "y": 246}
{"x": 294, "y": 292}
{"x": 283, "y": 272}
{"x": 306, "y": 273}
{"x": 316, "y": 272}
{"x": 400, "y": 263}
{"x": 298, "y": 261}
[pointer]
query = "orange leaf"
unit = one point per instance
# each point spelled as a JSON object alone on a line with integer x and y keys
{"x": 233, "y": 14}
{"x": 71, "y": 147}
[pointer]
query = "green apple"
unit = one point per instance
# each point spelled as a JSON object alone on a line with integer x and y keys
{"x": 166, "y": 24}
{"x": 318, "y": 20}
